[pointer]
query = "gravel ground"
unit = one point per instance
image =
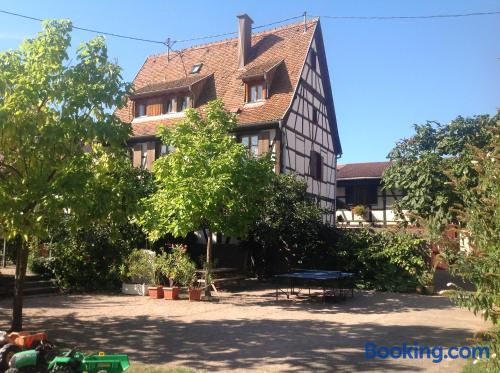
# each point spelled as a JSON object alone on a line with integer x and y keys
{"x": 250, "y": 331}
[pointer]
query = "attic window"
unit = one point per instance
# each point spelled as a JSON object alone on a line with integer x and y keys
{"x": 196, "y": 68}
{"x": 255, "y": 92}
{"x": 312, "y": 59}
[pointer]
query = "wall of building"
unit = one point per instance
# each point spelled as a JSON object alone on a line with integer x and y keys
{"x": 379, "y": 214}
{"x": 301, "y": 134}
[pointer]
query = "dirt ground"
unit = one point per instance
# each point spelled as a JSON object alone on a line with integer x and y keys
{"x": 249, "y": 330}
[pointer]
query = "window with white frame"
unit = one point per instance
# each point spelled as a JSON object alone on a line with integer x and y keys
{"x": 251, "y": 143}
{"x": 255, "y": 92}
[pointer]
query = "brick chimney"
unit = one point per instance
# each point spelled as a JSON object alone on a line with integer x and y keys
{"x": 244, "y": 39}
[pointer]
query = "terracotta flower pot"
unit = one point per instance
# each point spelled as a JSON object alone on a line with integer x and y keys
{"x": 195, "y": 294}
{"x": 155, "y": 292}
{"x": 171, "y": 293}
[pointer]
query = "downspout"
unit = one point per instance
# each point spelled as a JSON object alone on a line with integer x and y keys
{"x": 337, "y": 157}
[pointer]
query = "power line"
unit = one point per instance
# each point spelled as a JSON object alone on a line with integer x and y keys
{"x": 234, "y": 32}
{"x": 170, "y": 43}
{"x": 412, "y": 17}
{"x": 87, "y": 29}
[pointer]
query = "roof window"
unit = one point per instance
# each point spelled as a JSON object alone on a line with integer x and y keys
{"x": 196, "y": 68}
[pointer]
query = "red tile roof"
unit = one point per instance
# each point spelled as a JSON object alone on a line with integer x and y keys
{"x": 369, "y": 170}
{"x": 156, "y": 88}
{"x": 289, "y": 43}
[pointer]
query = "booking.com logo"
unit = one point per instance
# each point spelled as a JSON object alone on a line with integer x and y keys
{"x": 415, "y": 351}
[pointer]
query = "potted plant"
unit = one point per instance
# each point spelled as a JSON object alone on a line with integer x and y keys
{"x": 359, "y": 211}
{"x": 156, "y": 291}
{"x": 426, "y": 283}
{"x": 137, "y": 272}
{"x": 170, "y": 266}
{"x": 187, "y": 277}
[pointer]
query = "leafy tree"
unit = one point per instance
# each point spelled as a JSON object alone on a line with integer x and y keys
{"x": 421, "y": 166}
{"x": 59, "y": 141}
{"x": 289, "y": 226}
{"x": 481, "y": 213}
{"x": 209, "y": 182}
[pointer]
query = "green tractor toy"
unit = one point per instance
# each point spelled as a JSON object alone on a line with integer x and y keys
{"x": 35, "y": 361}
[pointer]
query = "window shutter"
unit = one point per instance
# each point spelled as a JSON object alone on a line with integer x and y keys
{"x": 320, "y": 167}
{"x": 157, "y": 149}
{"x": 151, "y": 155}
{"x": 136, "y": 160}
{"x": 313, "y": 169}
{"x": 263, "y": 142}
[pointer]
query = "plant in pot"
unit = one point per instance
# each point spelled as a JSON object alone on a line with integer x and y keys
{"x": 359, "y": 211}
{"x": 137, "y": 272}
{"x": 187, "y": 276}
{"x": 170, "y": 266}
{"x": 426, "y": 283}
{"x": 156, "y": 291}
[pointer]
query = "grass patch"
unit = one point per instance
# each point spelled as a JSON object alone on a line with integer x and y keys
{"x": 480, "y": 367}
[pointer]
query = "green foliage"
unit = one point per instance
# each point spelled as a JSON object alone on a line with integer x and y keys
{"x": 291, "y": 234}
{"x": 209, "y": 181}
{"x": 59, "y": 140}
{"x": 40, "y": 265}
{"x": 481, "y": 213}
{"x": 91, "y": 258}
{"x": 421, "y": 166}
{"x": 359, "y": 210}
{"x": 173, "y": 265}
{"x": 388, "y": 260}
{"x": 139, "y": 267}
{"x": 288, "y": 227}
{"x": 58, "y": 137}
{"x": 187, "y": 272}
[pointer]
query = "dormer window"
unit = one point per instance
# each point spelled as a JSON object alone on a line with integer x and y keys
{"x": 140, "y": 110}
{"x": 183, "y": 103}
{"x": 168, "y": 105}
{"x": 255, "y": 92}
{"x": 196, "y": 68}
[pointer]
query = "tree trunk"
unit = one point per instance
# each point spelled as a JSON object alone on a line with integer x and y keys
{"x": 17, "y": 307}
{"x": 208, "y": 264}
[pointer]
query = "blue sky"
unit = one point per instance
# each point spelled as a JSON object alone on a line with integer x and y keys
{"x": 386, "y": 75}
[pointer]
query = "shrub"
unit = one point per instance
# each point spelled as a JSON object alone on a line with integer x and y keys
{"x": 387, "y": 260}
{"x": 359, "y": 210}
{"x": 139, "y": 267}
{"x": 173, "y": 265}
{"x": 90, "y": 259}
{"x": 43, "y": 266}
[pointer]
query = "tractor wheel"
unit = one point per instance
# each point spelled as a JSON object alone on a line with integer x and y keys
{"x": 6, "y": 353}
{"x": 62, "y": 369}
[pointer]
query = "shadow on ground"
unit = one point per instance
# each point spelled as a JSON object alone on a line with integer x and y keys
{"x": 305, "y": 345}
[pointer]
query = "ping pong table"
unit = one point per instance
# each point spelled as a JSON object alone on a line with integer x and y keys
{"x": 331, "y": 283}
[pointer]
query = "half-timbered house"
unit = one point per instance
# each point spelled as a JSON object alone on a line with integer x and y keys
{"x": 275, "y": 81}
{"x": 361, "y": 184}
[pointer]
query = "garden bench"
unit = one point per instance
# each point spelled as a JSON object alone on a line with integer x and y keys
{"x": 220, "y": 276}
